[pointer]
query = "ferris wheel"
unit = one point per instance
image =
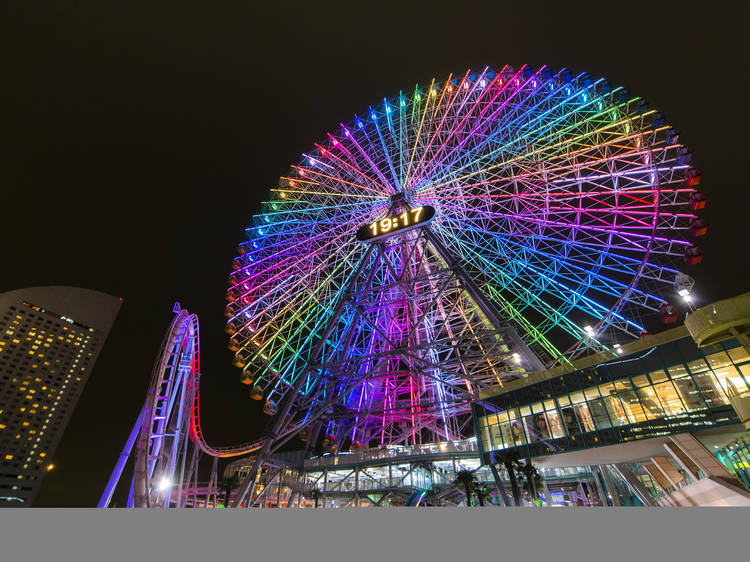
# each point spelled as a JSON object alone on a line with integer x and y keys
{"x": 454, "y": 237}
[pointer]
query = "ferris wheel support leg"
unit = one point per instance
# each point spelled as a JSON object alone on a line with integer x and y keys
{"x": 314, "y": 434}
{"x": 484, "y": 305}
{"x": 249, "y": 482}
{"x": 119, "y": 467}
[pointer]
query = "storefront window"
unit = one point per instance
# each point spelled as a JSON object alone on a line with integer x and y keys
{"x": 669, "y": 399}
{"x": 584, "y": 416}
{"x": 698, "y": 366}
{"x": 542, "y": 426}
{"x": 555, "y": 424}
{"x": 641, "y": 381}
{"x": 507, "y": 434}
{"x": 718, "y": 360}
{"x": 738, "y": 354}
{"x": 730, "y": 376}
{"x": 712, "y": 393}
{"x": 570, "y": 420}
{"x": 497, "y": 440}
{"x": 658, "y": 376}
{"x": 599, "y": 414}
{"x": 616, "y": 409}
{"x": 519, "y": 435}
{"x": 690, "y": 394}
{"x": 591, "y": 393}
{"x": 650, "y": 405}
{"x": 745, "y": 370}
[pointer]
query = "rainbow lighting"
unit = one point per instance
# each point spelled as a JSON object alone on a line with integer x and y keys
{"x": 568, "y": 203}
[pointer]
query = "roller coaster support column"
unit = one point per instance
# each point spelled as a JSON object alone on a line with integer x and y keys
{"x": 124, "y": 456}
{"x": 272, "y": 434}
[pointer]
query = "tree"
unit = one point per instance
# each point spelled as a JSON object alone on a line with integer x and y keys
{"x": 481, "y": 492}
{"x": 533, "y": 479}
{"x": 468, "y": 481}
{"x": 509, "y": 460}
{"x": 227, "y": 484}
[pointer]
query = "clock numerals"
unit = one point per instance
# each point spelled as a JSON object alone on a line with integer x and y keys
{"x": 410, "y": 217}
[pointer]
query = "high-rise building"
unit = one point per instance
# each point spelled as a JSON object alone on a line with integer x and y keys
{"x": 50, "y": 338}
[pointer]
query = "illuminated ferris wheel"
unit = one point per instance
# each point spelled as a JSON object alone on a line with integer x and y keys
{"x": 452, "y": 238}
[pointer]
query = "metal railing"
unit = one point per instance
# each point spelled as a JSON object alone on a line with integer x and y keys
{"x": 392, "y": 452}
{"x": 717, "y": 318}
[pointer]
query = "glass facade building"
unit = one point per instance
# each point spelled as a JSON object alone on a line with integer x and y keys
{"x": 670, "y": 388}
{"x": 50, "y": 338}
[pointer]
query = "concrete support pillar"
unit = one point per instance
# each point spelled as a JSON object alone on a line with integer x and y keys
{"x": 702, "y": 457}
{"x": 657, "y": 476}
{"x": 682, "y": 459}
{"x": 668, "y": 470}
{"x": 661, "y": 481}
{"x": 547, "y": 494}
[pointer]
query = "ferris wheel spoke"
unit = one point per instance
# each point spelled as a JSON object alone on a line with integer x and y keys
{"x": 585, "y": 271}
{"x": 565, "y": 201}
{"x": 552, "y": 149}
{"x": 526, "y": 136}
{"x": 342, "y": 166}
{"x": 489, "y": 121}
{"x": 523, "y": 297}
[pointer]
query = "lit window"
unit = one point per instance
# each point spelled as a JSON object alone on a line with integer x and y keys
{"x": 8, "y": 457}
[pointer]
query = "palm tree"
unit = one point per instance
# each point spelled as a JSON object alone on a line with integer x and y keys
{"x": 466, "y": 479}
{"x": 227, "y": 484}
{"x": 509, "y": 459}
{"x": 533, "y": 479}
{"x": 481, "y": 492}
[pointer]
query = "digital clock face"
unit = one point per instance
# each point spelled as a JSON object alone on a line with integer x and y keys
{"x": 407, "y": 219}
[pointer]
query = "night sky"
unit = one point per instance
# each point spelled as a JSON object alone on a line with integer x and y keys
{"x": 137, "y": 142}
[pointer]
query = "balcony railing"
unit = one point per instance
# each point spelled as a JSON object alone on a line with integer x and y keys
{"x": 713, "y": 323}
{"x": 391, "y": 452}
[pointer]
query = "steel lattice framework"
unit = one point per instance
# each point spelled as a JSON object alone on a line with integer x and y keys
{"x": 563, "y": 207}
{"x": 565, "y": 201}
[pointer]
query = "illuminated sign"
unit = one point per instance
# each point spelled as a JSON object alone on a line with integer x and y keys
{"x": 406, "y": 220}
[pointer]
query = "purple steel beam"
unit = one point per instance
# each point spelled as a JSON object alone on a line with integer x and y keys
{"x": 117, "y": 472}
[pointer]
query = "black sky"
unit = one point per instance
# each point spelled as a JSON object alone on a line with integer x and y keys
{"x": 137, "y": 141}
